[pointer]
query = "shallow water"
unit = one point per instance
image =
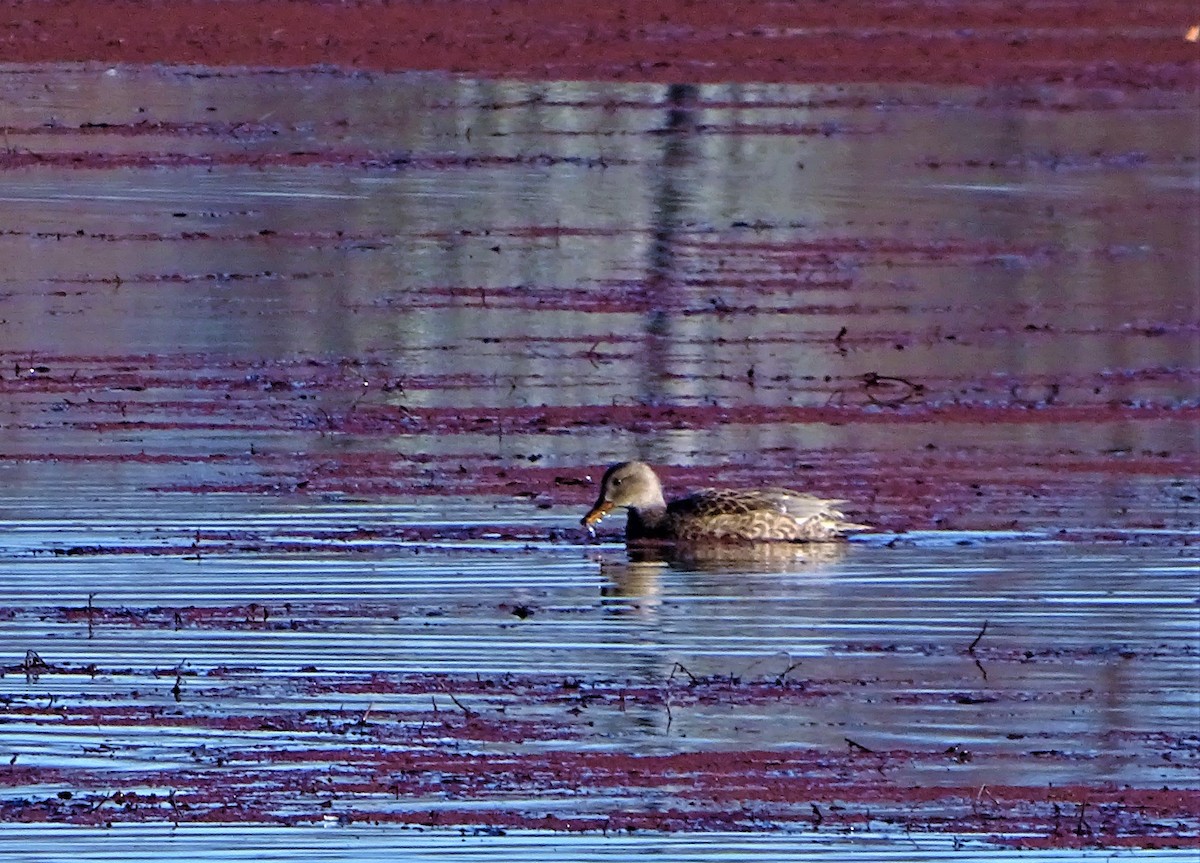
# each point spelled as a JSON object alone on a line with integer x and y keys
{"x": 953, "y": 313}
{"x": 188, "y": 643}
{"x": 1083, "y": 647}
{"x": 202, "y": 842}
{"x": 305, "y": 379}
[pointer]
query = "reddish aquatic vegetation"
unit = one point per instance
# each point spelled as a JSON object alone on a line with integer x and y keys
{"x": 186, "y": 394}
{"x": 499, "y": 743}
{"x": 747, "y": 790}
{"x": 1084, "y": 44}
{"x": 89, "y": 159}
{"x": 375, "y": 419}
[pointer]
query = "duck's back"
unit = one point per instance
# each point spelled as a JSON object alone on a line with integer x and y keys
{"x": 769, "y": 514}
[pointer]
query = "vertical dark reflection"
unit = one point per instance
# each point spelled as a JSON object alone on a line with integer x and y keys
{"x": 666, "y": 206}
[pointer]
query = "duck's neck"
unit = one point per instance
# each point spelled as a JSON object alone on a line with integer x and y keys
{"x": 647, "y": 522}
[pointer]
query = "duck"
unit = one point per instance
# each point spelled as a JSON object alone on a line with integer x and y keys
{"x": 715, "y": 514}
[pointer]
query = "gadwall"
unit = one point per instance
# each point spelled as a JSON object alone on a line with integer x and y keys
{"x": 769, "y": 514}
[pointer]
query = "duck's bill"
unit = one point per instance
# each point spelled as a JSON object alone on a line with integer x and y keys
{"x": 596, "y": 513}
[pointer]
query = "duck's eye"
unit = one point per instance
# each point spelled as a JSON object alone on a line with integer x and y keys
{"x": 616, "y": 480}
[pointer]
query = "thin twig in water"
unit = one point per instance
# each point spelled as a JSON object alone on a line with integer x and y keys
{"x": 837, "y": 340}
{"x": 982, "y": 791}
{"x": 679, "y": 666}
{"x": 982, "y": 670}
{"x": 874, "y": 380}
{"x": 908, "y": 835}
{"x": 107, "y": 797}
{"x": 982, "y": 630}
{"x": 467, "y": 712}
{"x": 1082, "y": 828}
{"x": 854, "y": 744}
{"x": 785, "y": 672}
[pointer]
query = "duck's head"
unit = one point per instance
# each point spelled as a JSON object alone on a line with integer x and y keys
{"x": 631, "y": 484}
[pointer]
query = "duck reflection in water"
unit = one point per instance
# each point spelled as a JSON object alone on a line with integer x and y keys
{"x": 636, "y": 574}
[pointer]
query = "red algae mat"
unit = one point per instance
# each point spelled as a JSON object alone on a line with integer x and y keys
{"x": 318, "y": 322}
{"x": 1106, "y": 43}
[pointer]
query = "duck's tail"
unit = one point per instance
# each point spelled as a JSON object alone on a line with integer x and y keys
{"x": 837, "y": 525}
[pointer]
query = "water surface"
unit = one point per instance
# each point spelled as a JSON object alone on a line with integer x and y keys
{"x": 305, "y": 380}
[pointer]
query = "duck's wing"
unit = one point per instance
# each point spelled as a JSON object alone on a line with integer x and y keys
{"x": 799, "y": 505}
{"x": 823, "y": 517}
{"x": 709, "y": 502}
{"x": 729, "y": 501}
{"x": 757, "y": 514}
